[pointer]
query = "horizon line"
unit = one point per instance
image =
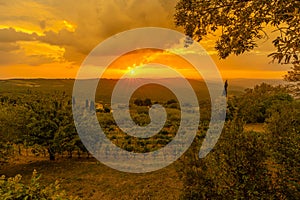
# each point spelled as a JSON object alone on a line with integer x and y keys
{"x": 197, "y": 79}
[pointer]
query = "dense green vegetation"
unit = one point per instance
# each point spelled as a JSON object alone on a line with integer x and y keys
{"x": 42, "y": 121}
{"x": 248, "y": 164}
{"x": 243, "y": 164}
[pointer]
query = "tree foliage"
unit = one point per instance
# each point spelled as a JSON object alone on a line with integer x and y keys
{"x": 284, "y": 127}
{"x": 12, "y": 125}
{"x": 253, "y": 106}
{"x": 235, "y": 169}
{"x": 249, "y": 165}
{"x": 241, "y": 23}
{"x": 145, "y": 102}
{"x": 293, "y": 77}
{"x": 42, "y": 121}
{"x": 51, "y": 124}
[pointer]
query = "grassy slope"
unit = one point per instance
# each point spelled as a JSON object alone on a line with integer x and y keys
{"x": 90, "y": 179}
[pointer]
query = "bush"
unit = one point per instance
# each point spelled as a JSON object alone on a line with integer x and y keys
{"x": 146, "y": 102}
{"x": 283, "y": 127}
{"x": 12, "y": 188}
{"x": 171, "y": 101}
{"x": 235, "y": 169}
{"x": 253, "y": 105}
{"x": 5, "y": 151}
{"x": 249, "y": 165}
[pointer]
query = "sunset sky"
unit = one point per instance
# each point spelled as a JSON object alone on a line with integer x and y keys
{"x": 50, "y": 39}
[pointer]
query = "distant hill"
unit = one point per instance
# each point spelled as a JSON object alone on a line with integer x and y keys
{"x": 249, "y": 83}
{"x": 155, "y": 92}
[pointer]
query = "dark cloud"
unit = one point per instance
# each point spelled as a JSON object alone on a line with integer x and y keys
{"x": 11, "y": 35}
{"x": 14, "y": 58}
{"x": 43, "y": 24}
{"x": 93, "y": 20}
{"x": 7, "y": 58}
{"x": 62, "y": 38}
{"x": 97, "y": 20}
{"x": 6, "y": 47}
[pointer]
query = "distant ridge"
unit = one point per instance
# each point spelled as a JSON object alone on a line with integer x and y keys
{"x": 106, "y": 86}
{"x": 242, "y": 82}
{"x": 250, "y": 83}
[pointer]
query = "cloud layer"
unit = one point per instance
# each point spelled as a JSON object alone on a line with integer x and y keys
{"x": 39, "y": 34}
{"x": 75, "y": 27}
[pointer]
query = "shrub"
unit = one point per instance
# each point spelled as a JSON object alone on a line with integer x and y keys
{"x": 253, "y": 105}
{"x": 283, "y": 127}
{"x": 12, "y": 188}
{"x": 235, "y": 169}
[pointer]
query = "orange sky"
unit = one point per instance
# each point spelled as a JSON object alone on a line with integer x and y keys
{"x": 135, "y": 63}
{"x": 50, "y": 39}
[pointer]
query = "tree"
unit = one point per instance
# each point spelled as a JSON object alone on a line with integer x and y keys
{"x": 138, "y": 102}
{"x": 171, "y": 101}
{"x": 41, "y": 121}
{"x": 243, "y": 156}
{"x": 283, "y": 128}
{"x": 240, "y": 23}
{"x": 147, "y": 102}
{"x": 249, "y": 165}
{"x": 13, "y": 119}
{"x": 51, "y": 124}
{"x": 293, "y": 77}
{"x": 254, "y": 104}
{"x": 235, "y": 169}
